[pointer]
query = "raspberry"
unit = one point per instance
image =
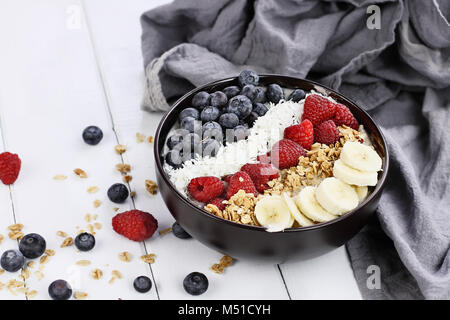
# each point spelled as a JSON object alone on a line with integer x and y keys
{"x": 218, "y": 203}
{"x": 136, "y": 225}
{"x": 227, "y": 178}
{"x": 344, "y": 116}
{"x": 302, "y": 133}
{"x": 326, "y": 133}
{"x": 9, "y": 167}
{"x": 204, "y": 189}
{"x": 260, "y": 173}
{"x": 285, "y": 153}
{"x": 241, "y": 181}
{"x": 264, "y": 158}
{"x": 318, "y": 109}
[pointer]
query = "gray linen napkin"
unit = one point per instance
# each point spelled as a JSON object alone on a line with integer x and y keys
{"x": 400, "y": 73}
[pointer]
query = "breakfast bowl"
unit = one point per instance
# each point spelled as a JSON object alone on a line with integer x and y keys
{"x": 242, "y": 241}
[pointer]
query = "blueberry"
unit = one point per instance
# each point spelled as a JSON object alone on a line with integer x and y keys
{"x": 210, "y": 114}
{"x": 174, "y": 158}
{"x": 297, "y": 95}
{"x": 32, "y": 245}
{"x": 231, "y": 91}
{"x": 212, "y": 129}
{"x": 240, "y": 105}
{"x": 12, "y": 260}
{"x": 229, "y": 120}
{"x": 248, "y": 77}
{"x": 142, "y": 284}
{"x": 85, "y": 241}
{"x": 255, "y": 94}
{"x": 92, "y": 135}
{"x": 274, "y": 93}
{"x": 59, "y": 290}
{"x": 189, "y": 112}
{"x": 252, "y": 118}
{"x": 192, "y": 143}
{"x": 201, "y": 100}
{"x": 195, "y": 283}
{"x": 179, "y": 232}
{"x": 219, "y": 99}
{"x": 174, "y": 140}
{"x": 190, "y": 124}
{"x": 210, "y": 147}
{"x": 260, "y": 109}
{"x": 118, "y": 193}
{"x": 240, "y": 133}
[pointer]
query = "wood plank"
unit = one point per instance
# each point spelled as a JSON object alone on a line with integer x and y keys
{"x": 50, "y": 91}
{"x": 118, "y": 49}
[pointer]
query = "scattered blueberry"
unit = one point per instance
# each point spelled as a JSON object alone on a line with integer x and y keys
{"x": 85, "y": 241}
{"x": 240, "y": 105}
{"x": 59, "y": 290}
{"x": 118, "y": 193}
{"x": 12, "y": 260}
{"x": 195, "y": 283}
{"x": 297, "y": 95}
{"x": 174, "y": 158}
{"x": 190, "y": 124}
{"x": 260, "y": 109}
{"x": 229, "y": 120}
{"x": 192, "y": 143}
{"x": 210, "y": 114}
{"x": 179, "y": 232}
{"x": 32, "y": 245}
{"x": 274, "y": 93}
{"x": 174, "y": 140}
{"x": 201, "y": 100}
{"x": 252, "y": 118}
{"x": 142, "y": 284}
{"x": 189, "y": 112}
{"x": 231, "y": 91}
{"x": 210, "y": 147}
{"x": 248, "y": 77}
{"x": 92, "y": 135}
{"x": 240, "y": 133}
{"x": 219, "y": 99}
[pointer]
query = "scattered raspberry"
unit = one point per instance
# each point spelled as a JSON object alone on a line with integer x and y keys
{"x": 285, "y": 153}
{"x": 326, "y": 133}
{"x": 204, "y": 189}
{"x": 241, "y": 181}
{"x": 9, "y": 167}
{"x": 136, "y": 225}
{"x": 218, "y": 203}
{"x": 260, "y": 173}
{"x": 318, "y": 109}
{"x": 302, "y": 133}
{"x": 344, "y": 116}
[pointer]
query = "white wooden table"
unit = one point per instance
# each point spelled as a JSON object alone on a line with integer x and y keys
{"x": 67, "y": 64}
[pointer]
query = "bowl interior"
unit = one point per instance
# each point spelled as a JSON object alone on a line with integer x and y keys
{"x": 363, "y": 118}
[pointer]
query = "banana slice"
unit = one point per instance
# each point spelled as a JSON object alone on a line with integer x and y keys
{"x": 308, "y": 205}
{"x": 360, "y": 157}
{"x": 296, "y": 214}
{"x": 354, "y": 176}
{"x": 336, "y": 197}
{"x": 273, "y": 213}
{"x": 361, "y": 192}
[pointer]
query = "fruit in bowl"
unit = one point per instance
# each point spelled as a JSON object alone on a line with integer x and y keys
{"x": 277, "y": 164}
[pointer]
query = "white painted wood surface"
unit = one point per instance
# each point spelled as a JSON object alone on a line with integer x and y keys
{"x": 68, "y": 64}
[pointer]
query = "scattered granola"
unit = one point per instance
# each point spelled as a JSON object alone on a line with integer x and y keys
{"x": 115, "y": 275}
{"x": 1, "y": 271}
{"x": 127, "y": 178}
{"x": 148, "y": 258}
{"x": 150, "y": 139}
{"x": 120, "y": 148}
{"x": 50, "y": 252}
{"x": 80, "y": 295}
{"x": 165, "y": 231}
{"x": 31, "y": 294}
{"x": 90, "y": 228}
{"x": 60, "y": 177}
{"x": 30, "y": 264}
{"x": 39, "y": 275}
{"x": 16, "y": 235}
{"x": 125, "y": 256}
{"x": 25, "y": 274}
{"x": 16, "y": 227}
{"x": 132, "y": 194}
{"x": 92, "y": 189}
{"x": 97, "y": 203}
{"x": 80, "y": 172}
{"x": 140, "y": 137}
{"x": 67, "y": 242}
{"x": 61, "y": 233}
{"x": 1, "y": 238}
{"x": 225, "y": 262}
{"x": 87, "y": 217}
{"x": 96, "y": 274}
{"x": 123, "y": 167}
{"x": 83, "y": 263}
{"x": 151, "y": 186}
{"x": 44, "y": 259}
{"x": 97, "y": 225}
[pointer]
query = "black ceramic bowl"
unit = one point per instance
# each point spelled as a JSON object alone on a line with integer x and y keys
{"x": 250, "y": 242}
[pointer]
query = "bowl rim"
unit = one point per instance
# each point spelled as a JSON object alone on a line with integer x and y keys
{"x": 321, "y": 225}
